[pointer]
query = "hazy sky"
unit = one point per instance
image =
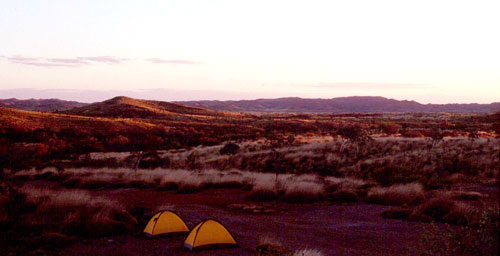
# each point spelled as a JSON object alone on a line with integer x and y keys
{"x": 429, "y": 51}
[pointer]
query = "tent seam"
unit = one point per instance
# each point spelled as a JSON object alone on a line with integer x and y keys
{"x": 198, "y": 230}
{"x": 156, "y": 221}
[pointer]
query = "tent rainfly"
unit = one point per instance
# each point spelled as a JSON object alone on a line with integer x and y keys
{"x": 165, "y": 222}
{"x": 207, "y": 234}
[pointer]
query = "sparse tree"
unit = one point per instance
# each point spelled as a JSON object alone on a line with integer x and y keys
{"x": 436, "y": 135}
{"x": 389, "y": 128}
{"x": 290, "y": 139}
{"x": 229, "y": 149}
{"x": 473, "y": 135}
{"x": 350, "y": 134}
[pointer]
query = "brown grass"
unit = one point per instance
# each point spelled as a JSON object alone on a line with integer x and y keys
{"x": 76, "y": 212}
{"x": 270, "y": 246}
{"x": 308, "y": 252}
{"x": 263, "y": 192}
{"x": 443, "y": 210}
{"x": 461, "y": 195}
{"x": 403, "y": 194}
{"x": 477, "y": 238}
{"x": 345, "y": 183}
{"x": 303, "y": 191}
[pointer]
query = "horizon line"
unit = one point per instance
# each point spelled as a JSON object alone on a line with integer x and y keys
{"x": 103, "y": 95}
{"x": 290, "y": 97}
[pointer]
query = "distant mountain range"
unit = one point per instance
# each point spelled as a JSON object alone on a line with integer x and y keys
{"x": 40, "y": 105}
{"x": 365, "y": 104}
{"x": 129, "y": 107}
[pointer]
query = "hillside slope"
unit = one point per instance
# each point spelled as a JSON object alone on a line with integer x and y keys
{"x": 89, "y": 133}
{"x": 340, "y": 105}
{"x": 42, "y": 105}
{"x": 147, "y": 109}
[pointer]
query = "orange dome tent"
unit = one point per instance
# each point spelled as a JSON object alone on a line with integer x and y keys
{"x": 209, "y": 233}
{"x": 165, "y": 222}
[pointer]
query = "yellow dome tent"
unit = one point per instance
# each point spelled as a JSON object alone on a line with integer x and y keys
{"x": 165, "y": 222}
{"x": 209, "y": 233}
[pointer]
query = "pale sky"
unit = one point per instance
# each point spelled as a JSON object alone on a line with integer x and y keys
{"x": 429, "y": 51}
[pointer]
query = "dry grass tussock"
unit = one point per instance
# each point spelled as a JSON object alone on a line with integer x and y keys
{"x": 270, "y": 246}
{"x": 76, "y": 212}
{"x": 440, "y": 208}
{"x": 460, "y": 195}
{"x": 269, "y": 239}
{"x": 308, "y": 252}
{"x": 387, "y": 160}
{"x": 345, "y": 189}
{"x": 305, "y": 188}
{"x": 265, "y": 191}
{"x": 292, "y": 188}
{"x": 303, "y": 191}
{"x": 452, "y": 156}
{"x": 181, "y": 180}
{"x": 443, "y": 210}
{"x": 345, "y": 183}
{"x": 402, "y": 194}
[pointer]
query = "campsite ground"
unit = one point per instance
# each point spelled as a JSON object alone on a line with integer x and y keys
{"x": 335, "y": 229}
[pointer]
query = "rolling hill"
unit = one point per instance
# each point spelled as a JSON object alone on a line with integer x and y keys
{"x": 111, "y": 126}
{"x": 41, "y": 105}
{"x": 358, "y": 104}
{"x": 126, "y": 107}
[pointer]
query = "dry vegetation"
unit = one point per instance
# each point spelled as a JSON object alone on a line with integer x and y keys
{"x": 393, "y": 160}
{"x": 76, "y": 212}
{"x": 271, "y": 246}
{"x": 401, "y": 194}
{"x": 49, "y": 219}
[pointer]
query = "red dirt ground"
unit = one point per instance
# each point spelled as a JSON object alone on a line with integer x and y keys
{"x": 355, "y": 229}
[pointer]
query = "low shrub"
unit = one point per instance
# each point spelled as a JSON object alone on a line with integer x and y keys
{"x": 229, "y": 149}
{"x": 392, "y": 174}
{"x": 443, "y": 210}
{"x": 478, "y": 238}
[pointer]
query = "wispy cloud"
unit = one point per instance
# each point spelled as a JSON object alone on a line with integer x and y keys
{"x": 175, "y": 61}
{"x": 103, "y": 59}
{"x": 44, "y": 64}
{"x": 89, "y": 60}
{"x": 30, "y": 61}
{"x": 68, "y": 61}
{"x": 64, "y": 62}
{"x": 20, "y": 58}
